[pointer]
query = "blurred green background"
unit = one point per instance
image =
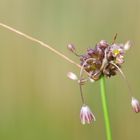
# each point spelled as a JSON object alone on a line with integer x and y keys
{"x": 37, "y": 100}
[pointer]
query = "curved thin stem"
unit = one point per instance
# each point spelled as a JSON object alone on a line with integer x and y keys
{"x": 105, "y": 109}
{"x": 81, "y": 92}
{"x": 124, "y": 77}
{"x": 39, "y": 42}
{"x": 81, "y": 72}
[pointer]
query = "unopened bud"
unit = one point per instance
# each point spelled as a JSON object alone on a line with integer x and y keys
{"x": 127, "y": 45}
{"x": 72, "y": 76}
{"x": 103, "y": 44}
{"x": 71, "y": 47}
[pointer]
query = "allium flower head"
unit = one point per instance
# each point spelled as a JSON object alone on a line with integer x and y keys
{"x": 135, "y": 105}
{"x": 103, "y": 59}
{"x": 86, "y": 115}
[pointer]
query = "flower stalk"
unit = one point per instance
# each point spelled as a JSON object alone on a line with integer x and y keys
{"x": 105, "y": 109}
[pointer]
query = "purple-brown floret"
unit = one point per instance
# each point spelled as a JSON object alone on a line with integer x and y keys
{"x": 102, "y": 59}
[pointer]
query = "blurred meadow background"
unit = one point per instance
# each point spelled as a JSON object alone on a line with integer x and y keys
{"x": 37, "y": 100}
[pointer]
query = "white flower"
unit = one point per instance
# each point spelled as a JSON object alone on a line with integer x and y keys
{"x": 72, "y": 76}
{"x": 86, "y": 115}
{"x": 135, "y": 105}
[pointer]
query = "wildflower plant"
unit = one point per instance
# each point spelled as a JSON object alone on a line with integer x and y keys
{"x": 103, "y": 60}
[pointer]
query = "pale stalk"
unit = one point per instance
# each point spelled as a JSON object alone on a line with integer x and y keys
{"x": 39, "y": 42}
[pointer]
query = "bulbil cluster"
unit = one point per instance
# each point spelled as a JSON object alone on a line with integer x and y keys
{"x": 104, "y": 59}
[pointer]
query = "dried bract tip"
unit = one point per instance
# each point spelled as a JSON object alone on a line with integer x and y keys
{"x": 86, "y": 115}
{"x": 135, "y": 105}
{"x": 71, "y": 47}
{"x": 72, "y": 76}
{"x": 127, "y": 45}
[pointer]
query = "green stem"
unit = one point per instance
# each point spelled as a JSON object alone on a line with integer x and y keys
{"x": 105, "y": 109}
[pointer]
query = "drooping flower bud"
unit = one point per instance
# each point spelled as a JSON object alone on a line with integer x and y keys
{"x": 86, "y": 115}
{"x": 135, "y": 105}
